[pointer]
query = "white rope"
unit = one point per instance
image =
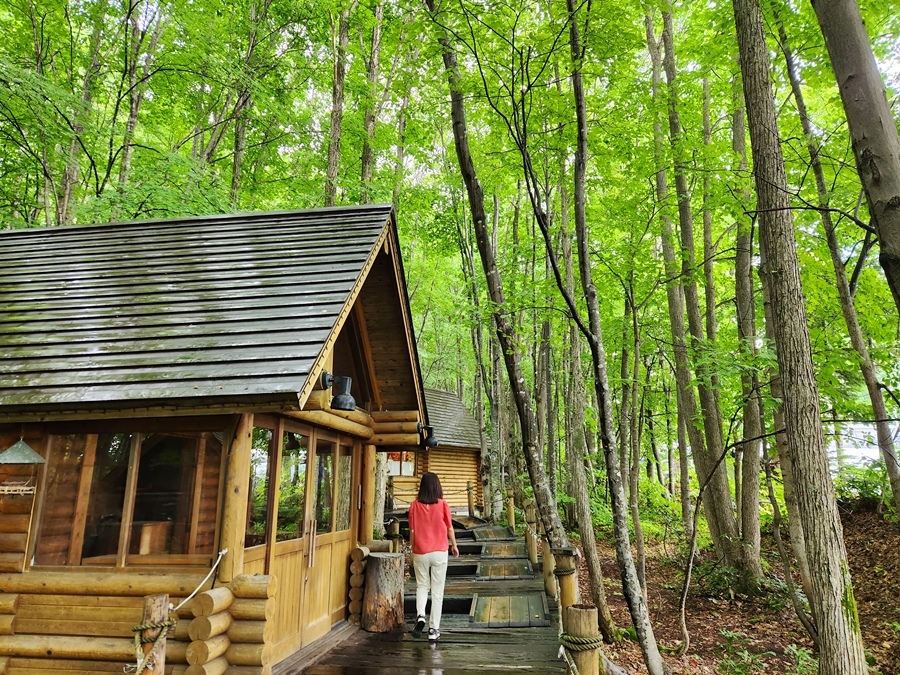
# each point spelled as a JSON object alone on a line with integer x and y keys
{"x": 202, "y": 583}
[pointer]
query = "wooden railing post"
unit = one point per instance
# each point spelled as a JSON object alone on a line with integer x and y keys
{"x": 510, "y": 510}
{"x": 394, "y": 535}
{"x": 470, "y": 489}
{"x": 156, "y": 611}
{"x": 531, "y": 533}
{"x": 582, "y": 639}
{"x": 568, "y": 580}
{"x": 549, "y": 565}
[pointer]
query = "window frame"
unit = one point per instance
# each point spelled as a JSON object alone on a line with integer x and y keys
{"x": 122, "y": 558}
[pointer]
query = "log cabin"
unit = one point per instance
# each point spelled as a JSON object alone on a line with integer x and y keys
{"x": 206, "y": 397}
{"x": 456, "y": 458}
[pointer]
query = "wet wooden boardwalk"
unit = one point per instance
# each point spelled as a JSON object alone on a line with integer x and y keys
{"x": 469, "y": 644}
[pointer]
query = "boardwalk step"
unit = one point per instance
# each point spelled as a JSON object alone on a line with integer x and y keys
{"x": 509, "y": 611}
{"x": 494, "y": 570}
{"x": 503, "y": 549}
{"x": 494, "y": 533}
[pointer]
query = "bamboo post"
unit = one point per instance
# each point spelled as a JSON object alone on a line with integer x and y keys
{"x": 510, "y": 510}
{"x": 470, "y": 490}
{"x": 549, "y": 565}
{"x": 156, "y": 611}
{"x": 583, "y": 640}
{"x": 568, "y": 581}
{"x": 531, "y": 533}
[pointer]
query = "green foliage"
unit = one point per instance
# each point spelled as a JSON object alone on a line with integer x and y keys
{"x": 737, "y": 659}
{"x": 864, "y": 486}
{"x": 804, "y": 662}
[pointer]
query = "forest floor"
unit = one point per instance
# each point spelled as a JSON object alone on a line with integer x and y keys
{"x": 744, "y": 635}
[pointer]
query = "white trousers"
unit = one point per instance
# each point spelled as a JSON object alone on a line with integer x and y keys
{"x": 431, "y": 573}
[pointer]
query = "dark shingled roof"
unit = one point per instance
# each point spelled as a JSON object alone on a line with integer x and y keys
{"x": 454, "y": 426}
{"x": 196, "y": 311}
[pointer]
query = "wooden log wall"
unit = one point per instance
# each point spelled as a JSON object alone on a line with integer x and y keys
{"x": 69, "y": 623}
{"x": 455, "y": 467}
{"x": 358, "y": 561}
{"x": 232, "y": 629}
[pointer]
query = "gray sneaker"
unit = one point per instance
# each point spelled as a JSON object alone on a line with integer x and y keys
{"x": 433, "y": 634}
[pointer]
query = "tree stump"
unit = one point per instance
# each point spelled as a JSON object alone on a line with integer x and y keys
{"x": 382, "y": 608}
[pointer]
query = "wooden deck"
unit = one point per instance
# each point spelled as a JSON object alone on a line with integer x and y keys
{"x": 481, "y": 631}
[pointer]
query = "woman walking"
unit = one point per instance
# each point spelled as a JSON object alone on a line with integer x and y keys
{"x": 429, "y": 529}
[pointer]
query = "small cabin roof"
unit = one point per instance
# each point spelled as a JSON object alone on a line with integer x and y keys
{"x": 454, "y": 426}
{"x": 233, "y": 311}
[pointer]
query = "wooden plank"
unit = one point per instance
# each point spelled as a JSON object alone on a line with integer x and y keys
{"x": 519, "y": 611}
{"x": 503, "y": 549}
{"x": 499, "y": 616}
{"x": 494, "y": 533}
{"x": 82, "y": 500}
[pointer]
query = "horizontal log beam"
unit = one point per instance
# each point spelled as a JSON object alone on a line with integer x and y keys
{"x": 94, "y": 584}
{"x": 395, "y": 416}
{"x": 396, "y": 428}
{"x": 395, "y": 439}
{"x": 330, "y": 420}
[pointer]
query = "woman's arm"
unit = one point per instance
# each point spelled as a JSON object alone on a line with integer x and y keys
{"x": 453, "y": 546}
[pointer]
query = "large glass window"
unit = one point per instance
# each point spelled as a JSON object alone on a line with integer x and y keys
{"x": 262, "y": 448}
{"x": 115, "y": 498}
{"x": 325, "y": 486}
{"x": 344, "y": 478}
{"x": 292, "y": 492}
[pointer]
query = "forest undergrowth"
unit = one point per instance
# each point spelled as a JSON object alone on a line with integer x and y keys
{"x": 758, "y": 635}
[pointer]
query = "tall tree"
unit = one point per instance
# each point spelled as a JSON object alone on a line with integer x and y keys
{"x": 841, "y": 649}
{"x": 873, "y": 130}
{"x": 505, "y": 331}
{"x": 854, "y": 330}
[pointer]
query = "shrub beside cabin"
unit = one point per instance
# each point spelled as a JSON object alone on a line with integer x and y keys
{"x": 177, "y": 378}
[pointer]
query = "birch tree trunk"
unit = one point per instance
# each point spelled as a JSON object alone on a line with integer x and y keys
{"x": 841, "y": 649}
{"x": 873, "y": 130}
{"x": 854, "y": 330}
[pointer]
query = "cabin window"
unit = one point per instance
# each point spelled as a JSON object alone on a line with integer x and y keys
{"x": 401, "y": 463}
{"x": 126, "y": 498}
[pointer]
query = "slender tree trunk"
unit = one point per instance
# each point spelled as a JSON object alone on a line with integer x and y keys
{"x": 687, "y": 402}
{"x": 854, "y": 330}
{"x": 630, "y": 584}
{"x": 873, "y": 129}
{"x": 841, "y": 649}
{"x": 340, "y": 41}
{"x": 717, "y": 496}
{"x": 506, "y": 334}
{"x": 137, "y": 70}
{"x": 367, "y": 159}
{"x": 746, "y": 327}
{"x": 684, "y": 483}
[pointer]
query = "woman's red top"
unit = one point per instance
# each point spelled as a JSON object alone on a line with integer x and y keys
{"x": 429, "y": 524}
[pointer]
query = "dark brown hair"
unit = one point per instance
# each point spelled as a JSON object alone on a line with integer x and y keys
{"x": 430, "y": 488}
